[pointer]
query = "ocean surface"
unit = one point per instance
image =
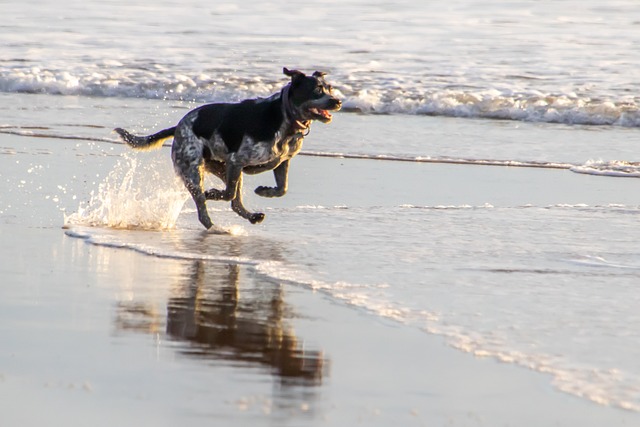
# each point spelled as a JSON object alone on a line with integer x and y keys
{"x": 537, "y": 267}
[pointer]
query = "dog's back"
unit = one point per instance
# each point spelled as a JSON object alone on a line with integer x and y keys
{"x": 258, "y": 119}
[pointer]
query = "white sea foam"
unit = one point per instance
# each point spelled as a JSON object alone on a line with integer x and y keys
{"x": 592, "y": 383}
{"x": 613, "y": 168}
{"x": 449, "y": 207}
{"x": 397, "y": 97}
{"x": 600, "y": 262}
{"x": 98, "y": 238}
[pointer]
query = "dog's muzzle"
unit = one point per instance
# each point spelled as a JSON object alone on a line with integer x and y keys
{"x": 324, "y": 113}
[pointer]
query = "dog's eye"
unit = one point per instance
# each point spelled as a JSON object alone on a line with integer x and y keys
{"x": 319, "y": 89}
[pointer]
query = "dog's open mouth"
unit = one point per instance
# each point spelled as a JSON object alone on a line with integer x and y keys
{"x": 320, "y": 113}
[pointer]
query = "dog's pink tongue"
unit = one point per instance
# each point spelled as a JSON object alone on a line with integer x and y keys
{"x": 325, "y": 113}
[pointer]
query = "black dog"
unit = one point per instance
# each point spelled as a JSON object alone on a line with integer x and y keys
{"x": 252, "y": 136}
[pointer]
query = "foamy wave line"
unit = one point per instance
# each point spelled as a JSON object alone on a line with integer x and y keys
{"x": 614, "y": 168}
{"x": 607, "y": 387}
{"x": 448, "y": 207}
{"x": 602, "y": 386}
{"x": 120, "y": 81}
{"x": 600, "y": 262}
{"x": 396, "y": 97}
{"x": 560, "y": 206}
{"x": 443, "y": 159}
{"x": 104, "y": 241}
{"x": 531, "y": 106}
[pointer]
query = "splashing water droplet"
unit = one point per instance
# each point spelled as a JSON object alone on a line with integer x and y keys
{"x": 139, "y": 193}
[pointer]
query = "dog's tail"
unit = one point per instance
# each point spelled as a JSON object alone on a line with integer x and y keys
{"x": 149, "y": 142}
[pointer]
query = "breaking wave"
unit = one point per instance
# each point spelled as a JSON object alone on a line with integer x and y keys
{"x": 394, "y": 96}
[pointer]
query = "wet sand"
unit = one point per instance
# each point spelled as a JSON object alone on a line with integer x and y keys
{"x": 99, "y": 336}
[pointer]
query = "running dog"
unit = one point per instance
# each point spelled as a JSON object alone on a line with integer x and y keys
{"x": 252, "y": 136}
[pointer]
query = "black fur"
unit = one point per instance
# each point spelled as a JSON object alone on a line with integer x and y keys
{"x": 258, "y": 120}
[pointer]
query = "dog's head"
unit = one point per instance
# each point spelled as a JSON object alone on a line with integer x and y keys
{"x": 311, "y": 97}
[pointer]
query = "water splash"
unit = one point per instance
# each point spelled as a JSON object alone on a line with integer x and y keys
{"x": 137, "y": 194}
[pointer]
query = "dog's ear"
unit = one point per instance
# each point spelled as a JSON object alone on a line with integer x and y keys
{"x": 294, "y": 74}
{"x": 319, "y": 74}
{"x": 291, "y": 73}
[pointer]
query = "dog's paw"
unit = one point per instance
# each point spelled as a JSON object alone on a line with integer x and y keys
{"x": 256, "y": 218}
{"x": 269, "y": 191}
{"x": 264, "y": 191}
{"x": 216, "y": 229}
{"x": 215, "y": 194}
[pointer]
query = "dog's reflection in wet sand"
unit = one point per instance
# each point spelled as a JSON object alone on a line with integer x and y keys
{"x": 218, "y": 319}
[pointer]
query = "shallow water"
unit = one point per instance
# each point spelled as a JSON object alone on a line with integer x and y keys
{"x": 570, "y": 62}
{"x": 532, "y": 266}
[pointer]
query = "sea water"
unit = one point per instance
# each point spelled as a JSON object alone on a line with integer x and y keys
{"x": 537, "y": 268}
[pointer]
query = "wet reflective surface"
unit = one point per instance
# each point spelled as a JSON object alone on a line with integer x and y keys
{"x": 215, "y": 310}
{"x": 209, "y": 312}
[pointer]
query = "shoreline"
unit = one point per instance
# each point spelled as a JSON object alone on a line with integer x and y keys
{"x": 103, "y": 336}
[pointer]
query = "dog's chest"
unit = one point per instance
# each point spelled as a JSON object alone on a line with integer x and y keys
{"x": 276, "y": 150}
{"x": 290, "y": 145}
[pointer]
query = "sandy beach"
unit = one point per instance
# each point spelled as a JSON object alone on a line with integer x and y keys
{"x": 95, "y": 335}
{"x": 87, "y": 342}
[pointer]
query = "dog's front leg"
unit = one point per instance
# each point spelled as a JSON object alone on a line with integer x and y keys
{"x": 238, "y": 207}
{"x": 281, "y": 173}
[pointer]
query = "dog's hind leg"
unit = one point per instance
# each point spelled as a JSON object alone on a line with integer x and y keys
{"x": 236, "y": 203}
{"x": 231, "y": 177}
{"x": 218, "y": 169}
{"x": 193, "y": 182}
{"x": 188, "y": 164}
